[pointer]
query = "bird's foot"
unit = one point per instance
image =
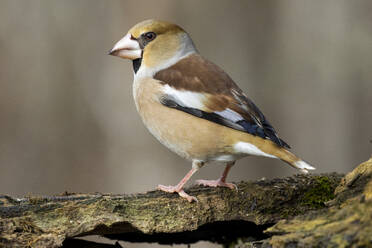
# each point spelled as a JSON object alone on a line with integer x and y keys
{"x": 216, "y": 183}
{"x": 175, "y": 189}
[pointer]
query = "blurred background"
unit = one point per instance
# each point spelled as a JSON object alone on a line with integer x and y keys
{"x": 68, "y": 120}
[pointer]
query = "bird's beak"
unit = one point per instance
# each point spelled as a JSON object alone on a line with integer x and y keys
{"x": 127, "y": 48}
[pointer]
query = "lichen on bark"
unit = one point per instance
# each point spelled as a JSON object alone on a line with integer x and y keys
{"x": 303, "y": 210}
{"x": 346, "y": 222}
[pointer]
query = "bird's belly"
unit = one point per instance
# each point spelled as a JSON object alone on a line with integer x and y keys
{"x": 188, "y": 136}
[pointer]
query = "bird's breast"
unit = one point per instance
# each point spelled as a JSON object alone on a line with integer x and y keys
{"x": 188, "y": 136}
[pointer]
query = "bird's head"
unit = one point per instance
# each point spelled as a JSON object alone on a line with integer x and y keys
{"x": 153, "y": 45}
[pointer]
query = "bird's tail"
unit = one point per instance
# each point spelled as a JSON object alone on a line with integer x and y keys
{"x": 303, "y": 166}
{"x": 274, "y": 151}
{"x": 293, "y": 160}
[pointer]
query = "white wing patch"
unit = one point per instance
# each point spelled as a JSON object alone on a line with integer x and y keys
{"x": 230, "y": 115}
{"x": 186, "y": 98}
{"x": 196, "y": 100}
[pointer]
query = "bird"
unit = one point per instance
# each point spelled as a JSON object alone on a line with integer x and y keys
{"x": 193, "y": 107}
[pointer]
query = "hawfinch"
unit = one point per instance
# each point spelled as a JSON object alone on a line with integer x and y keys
{"x": 193, "y": 107}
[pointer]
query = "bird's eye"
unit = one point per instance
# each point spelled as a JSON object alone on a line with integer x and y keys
{"x": 149, "y": 36}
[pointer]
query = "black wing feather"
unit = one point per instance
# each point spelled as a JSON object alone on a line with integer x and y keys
{"x": 266, "y": 131}
{"x": 169, "y": 102}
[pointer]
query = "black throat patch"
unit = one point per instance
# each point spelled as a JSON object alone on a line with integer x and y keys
{"x": 137, "y": 64}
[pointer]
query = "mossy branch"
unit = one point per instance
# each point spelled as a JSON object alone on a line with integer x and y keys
{"x": 159, "y": 217}
{"x": 346, "y": 222}
{"x": 302, "y": 211}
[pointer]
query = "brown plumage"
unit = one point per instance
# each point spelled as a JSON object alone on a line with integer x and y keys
{"x": 196, "y": 74}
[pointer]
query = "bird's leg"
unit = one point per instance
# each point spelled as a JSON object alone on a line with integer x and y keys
{"x": 179, "y": 187}
{"x": 220, "y": 181}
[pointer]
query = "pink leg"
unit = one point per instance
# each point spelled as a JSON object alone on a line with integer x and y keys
{"x": 179, "y": 187}
{"x": 221, "y": 181}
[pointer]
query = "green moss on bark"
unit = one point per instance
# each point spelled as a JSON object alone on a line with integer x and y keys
{"x": 255, "y": 206}
{"x": 322, "y": 192}
{"x": 346, "y": 221}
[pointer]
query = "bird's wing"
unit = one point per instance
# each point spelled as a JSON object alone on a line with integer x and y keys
{"x": 199, "y": 87}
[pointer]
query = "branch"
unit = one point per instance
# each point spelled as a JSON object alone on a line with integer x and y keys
{"x": 221, "y": 215}
{"x": 346, "y": 222}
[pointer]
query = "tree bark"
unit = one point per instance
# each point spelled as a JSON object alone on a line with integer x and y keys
{"x": 301, "y": 210}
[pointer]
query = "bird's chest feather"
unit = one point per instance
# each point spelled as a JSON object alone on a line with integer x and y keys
{"x": 188, "y": 136}
{"x": 159, "y": 119}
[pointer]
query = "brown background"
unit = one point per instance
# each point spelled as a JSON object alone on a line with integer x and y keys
{"x": 68, "y": 121}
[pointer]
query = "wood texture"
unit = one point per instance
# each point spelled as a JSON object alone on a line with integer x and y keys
{"x": 159, "y": 217}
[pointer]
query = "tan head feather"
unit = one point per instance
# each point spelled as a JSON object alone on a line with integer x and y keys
{"x": 171, "y": 41}
{"x": 156, "y": 26}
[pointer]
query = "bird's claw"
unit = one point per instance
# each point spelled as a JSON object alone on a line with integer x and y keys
{"x": 216, "y": 183}
{"x": 180, "y": 191}
{"x": 190, "y": 198}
